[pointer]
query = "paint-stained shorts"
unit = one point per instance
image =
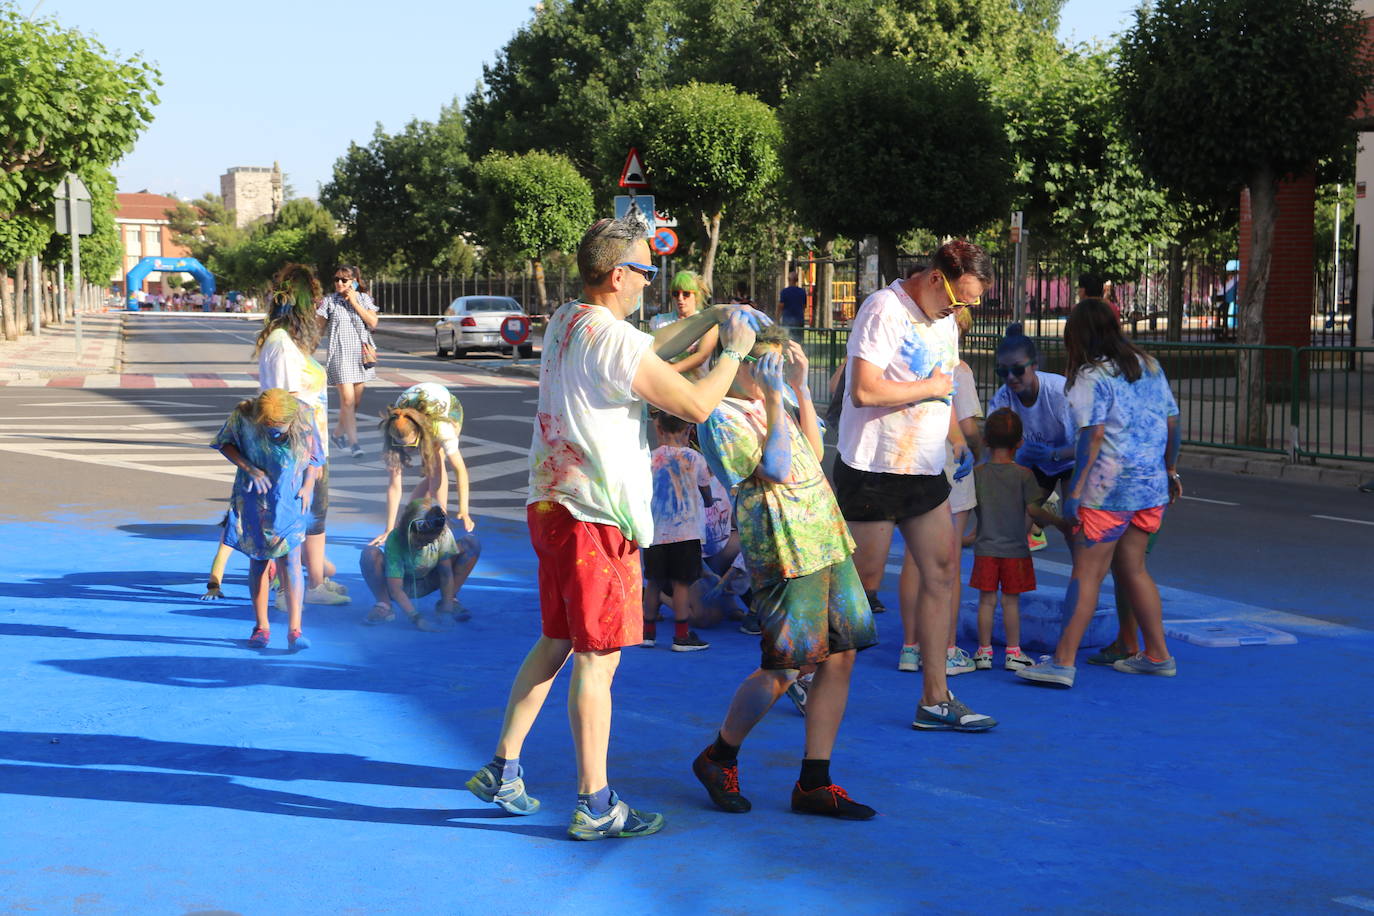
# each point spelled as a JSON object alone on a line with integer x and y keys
{"x": 1101, "y": 526}
{"x": 806, "y": 619}
{"x": 590, "y": 583}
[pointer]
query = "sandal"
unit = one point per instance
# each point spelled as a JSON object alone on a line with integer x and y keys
{"x": 380, "y": 613}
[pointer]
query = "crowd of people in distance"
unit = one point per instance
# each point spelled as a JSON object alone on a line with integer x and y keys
{"x": 731, "y": 512}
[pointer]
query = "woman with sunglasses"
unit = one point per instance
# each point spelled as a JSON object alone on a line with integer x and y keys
{"x": 350, "y": 315}
{"x": 1038, "y": 398}
{"x": 690, "y": 294}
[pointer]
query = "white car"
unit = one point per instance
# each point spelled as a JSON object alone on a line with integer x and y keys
{"x": 474, "y": 323}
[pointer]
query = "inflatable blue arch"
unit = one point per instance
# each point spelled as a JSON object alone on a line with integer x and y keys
{"x": 133, "y": 280}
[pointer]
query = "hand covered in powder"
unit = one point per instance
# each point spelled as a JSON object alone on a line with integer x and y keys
{"x": 737, "y": 333}
{"x": 769, "y": 372}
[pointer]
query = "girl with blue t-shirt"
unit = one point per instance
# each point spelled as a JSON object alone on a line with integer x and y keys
{"x": 1123, "y": 480}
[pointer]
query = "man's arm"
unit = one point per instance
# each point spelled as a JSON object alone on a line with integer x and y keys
{"x": 870, "y": 389}
{"x": 705, "y": 347}
{"x": 673, "y": 339}
{"x": 660, "y": 384}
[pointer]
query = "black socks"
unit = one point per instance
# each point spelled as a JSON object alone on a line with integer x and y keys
{"x": 721, "y": 752}
{"x": 814, "y": 774}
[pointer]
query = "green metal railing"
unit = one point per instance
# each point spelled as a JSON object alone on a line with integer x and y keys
{"x": 1309, "y": 402}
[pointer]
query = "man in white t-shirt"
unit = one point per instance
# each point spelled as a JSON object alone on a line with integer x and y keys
{"x": 589, "y": 509}
{"x": 889, "y": 472}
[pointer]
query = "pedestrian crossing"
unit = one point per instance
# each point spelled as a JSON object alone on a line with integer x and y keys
{"x": 249, "y": 380}
{"x": 176, "y": 444}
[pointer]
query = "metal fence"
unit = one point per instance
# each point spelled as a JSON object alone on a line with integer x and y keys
{"x": 431, "y": 295}
{"x": 1315, "y": 402}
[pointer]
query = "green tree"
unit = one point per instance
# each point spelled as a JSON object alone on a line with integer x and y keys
{"x": 65, "y": 105}
{"x": 403, "y": 199}
{"x": 533, "y": 204}
{"x": 205, "y": 227}
{"x": 882, "y": 147}
{"x": 1219, "y": 96}
{"x": 561, "y": 77}
{"x": 102, "y": 252}
{"x": 706, "y": 147}
{"x": 302, "y": 233}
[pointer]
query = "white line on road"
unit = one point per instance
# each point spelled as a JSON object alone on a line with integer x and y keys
{"x": 1215, "y": 502}
{"x": 1339, "y": 518}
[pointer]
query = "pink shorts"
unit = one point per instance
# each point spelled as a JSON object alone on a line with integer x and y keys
{"x": 1102, "y": 526}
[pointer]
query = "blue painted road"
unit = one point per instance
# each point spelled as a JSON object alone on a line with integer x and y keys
{"x": 150, "y": 763}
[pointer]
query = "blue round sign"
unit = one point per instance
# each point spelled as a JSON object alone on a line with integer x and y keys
{"x": 515, "y": 330}
{"x": 664, "y": 241}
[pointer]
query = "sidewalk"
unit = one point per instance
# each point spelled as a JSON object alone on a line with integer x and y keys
{"x": 54, "y": 353}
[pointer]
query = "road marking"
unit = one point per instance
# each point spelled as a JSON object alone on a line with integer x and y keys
{"x": 1339, "y": 518}
{"x": 1215, "y": 502}
{"x": 1358, "y": 902}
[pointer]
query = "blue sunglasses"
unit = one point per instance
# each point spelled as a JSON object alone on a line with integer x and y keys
{"x": 647, "y": 271}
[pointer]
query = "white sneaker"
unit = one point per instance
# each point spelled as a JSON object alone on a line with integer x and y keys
{"x": 957, "y": 661}
{"x": 910, "y": 659}
{"x": 982, "y": 659}
{"x": 322, "y": 594}
{"x": 336, "y": 587}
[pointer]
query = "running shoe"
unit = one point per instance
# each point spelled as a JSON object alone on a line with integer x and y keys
{"x": 620, "y": 822}
{"x": 1046, "y": 671}
{"x": 909, "y": 659}
{"x": 339, "y": 441}
{"x": 320, "y": 594}
{"x": 689, "y": 643}
{"x": 650, "y": 638}
{"x": 951, "y": 715}
{"x": 982, "y": 659}
{"x": 1037, "y": 541}
{"x": 261, "y": 636}
{"x": 750, "y": 624}
{"x": 452, "y": 609}
{"x": 296, "y": 641}
{"x": 876, "y": 603}
{"x": 1140, "y": 664}
{"x": 1015, "y": 661}
{"x": 721, "y": 782}
{"x": 798, "y": 691}
{"x": 958, "y": 662}
{"x": 381, "y": 613}
{"x": 509, "y": 795}
{"x": 356, "y": 451}
{"x": 832, "y": 801}
{"x": 334, "y": 586}
{"x": 1108, "y": 656}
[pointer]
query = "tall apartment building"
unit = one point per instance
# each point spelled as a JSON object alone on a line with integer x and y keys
{"x": 252, "y": 192}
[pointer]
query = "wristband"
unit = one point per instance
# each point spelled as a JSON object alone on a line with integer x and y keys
{"x": 736, "y": 355}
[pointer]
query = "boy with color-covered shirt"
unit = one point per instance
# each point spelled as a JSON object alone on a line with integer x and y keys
{"x": 589, "y": 510}
{"x": 808, "y": 598}
{"x": 672, "y": 564}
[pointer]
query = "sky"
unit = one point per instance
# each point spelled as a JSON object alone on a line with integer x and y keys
{"x": 295, "y": 81}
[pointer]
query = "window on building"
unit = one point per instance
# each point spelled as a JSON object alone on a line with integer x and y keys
{"x": 152, "y": 242}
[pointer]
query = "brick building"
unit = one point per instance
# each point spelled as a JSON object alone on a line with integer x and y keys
{"x": 146, "y": 233}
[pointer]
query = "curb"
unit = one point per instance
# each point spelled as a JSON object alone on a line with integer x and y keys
{"x": 1275, "y": 468}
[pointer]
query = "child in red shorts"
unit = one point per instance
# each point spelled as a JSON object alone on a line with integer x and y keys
{"x": 1006, "y": 494}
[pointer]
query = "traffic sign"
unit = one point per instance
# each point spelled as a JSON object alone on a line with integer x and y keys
{"x": 663, "y": 219}
{"x": 633, "y": 175}
{"x": 515, "y": 330}
{"x": 641, "y": 206}
{"x": 664, "y": 241}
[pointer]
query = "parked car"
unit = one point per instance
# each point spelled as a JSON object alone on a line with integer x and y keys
{"x": 474, "y": 323}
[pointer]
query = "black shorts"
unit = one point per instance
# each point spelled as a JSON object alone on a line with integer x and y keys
{"x": 679, "y": 561}
{"x": 873, "y": 496}
{"x": 1048, "y": 482}
{"x": 319, "y": 502}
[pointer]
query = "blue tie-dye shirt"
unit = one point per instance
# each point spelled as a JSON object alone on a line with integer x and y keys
{"x": 1129, "y": 472}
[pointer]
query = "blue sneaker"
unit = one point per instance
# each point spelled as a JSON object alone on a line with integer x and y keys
{"x": 510, "y": 795}
{"x": 951, "y": 715}
{"x": 1139, "y": 664}
{"x": 958, "y": 663}
{"x": 620, "y": 822}
{"x": 910, "y": 659}
{"x": 1046, "y": 671}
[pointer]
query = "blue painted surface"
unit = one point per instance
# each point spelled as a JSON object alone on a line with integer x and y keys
{"x": 151, "y": 764}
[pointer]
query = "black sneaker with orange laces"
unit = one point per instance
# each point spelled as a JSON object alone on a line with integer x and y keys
{"x": 832, "y": 801}
{"x": 721, "y": 782}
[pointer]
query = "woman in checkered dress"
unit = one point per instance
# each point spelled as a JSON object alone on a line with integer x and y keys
{"x": 350, "y": 315}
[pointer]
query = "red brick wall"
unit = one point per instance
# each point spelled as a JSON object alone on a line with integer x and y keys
{"x": 1288, "y": 302}
{"x": 1366, "y": 108}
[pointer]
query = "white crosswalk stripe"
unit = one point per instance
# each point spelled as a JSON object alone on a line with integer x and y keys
{"x": 177, "y": 445}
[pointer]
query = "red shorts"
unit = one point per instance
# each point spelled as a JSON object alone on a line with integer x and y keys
{"x": 1009, "y": 575}
{"x": 1100, "y": 526}
{"x": 590, "y": 583}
